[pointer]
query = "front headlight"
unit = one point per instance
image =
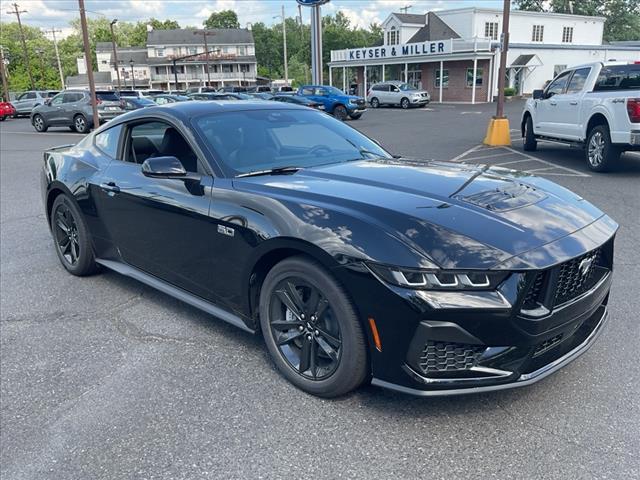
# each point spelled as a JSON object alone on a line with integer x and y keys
{"x": 353, "y": 102}
{"x": 438, "y": 279}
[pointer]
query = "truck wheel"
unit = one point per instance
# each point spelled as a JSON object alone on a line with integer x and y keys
{"x": 601, "y": 154}
{"x": 340, "y": 112}
{"x": 529, "y": 142}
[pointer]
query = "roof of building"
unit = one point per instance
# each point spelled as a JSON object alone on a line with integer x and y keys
{"x": 83, "y": 79}
{"x": 435, "y": 29}
{"x": 125, "y": 55}
{"x": 411, "y": 17}
{"x": 188, "y": 36}
{"x": 518, "y": 12}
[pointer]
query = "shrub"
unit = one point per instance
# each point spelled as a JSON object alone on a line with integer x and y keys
{"x": 509, "y": 91}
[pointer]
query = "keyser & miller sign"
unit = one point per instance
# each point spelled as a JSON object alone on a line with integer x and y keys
{"x": 407, "y": 50}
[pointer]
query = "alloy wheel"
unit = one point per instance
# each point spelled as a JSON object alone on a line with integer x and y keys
{"x": 38, "y": 122}
{"x": 404, "y": 103}
{"x": 305, "y": 329}
{"x": 66, "y": 234}
{"x": 596, "y": 149}
{"x": 80, "y": 124}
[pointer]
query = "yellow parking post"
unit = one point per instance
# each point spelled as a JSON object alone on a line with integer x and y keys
{"x": 498, "y": 132}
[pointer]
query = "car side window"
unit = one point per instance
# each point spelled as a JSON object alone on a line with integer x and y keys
{"x": 108, "y": 140}
{"x": 393, "y": 88}
{"x": 307, "y": 91}
{"x": 558, "y": 85}
{"x": 70, "y": 97}
{"x": 30, "y": 96}
{"x": 58, "y": 99}
{"x": 576, "y": 84}
{"x": 321, "y": 92}
{"x": 159, "y": 139}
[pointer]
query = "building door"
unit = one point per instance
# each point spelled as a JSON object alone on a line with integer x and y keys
{"x": 415, "y": 78}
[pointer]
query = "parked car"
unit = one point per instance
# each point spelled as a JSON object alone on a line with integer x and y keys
{"x": 218, "y": 96}
{"x": 232, "y": 89}
{"x": 426, "y": 277}
{"x": 286, "y": 88}
{"x": 140, "y": 93}
{"x": 200, "y": 89}
{"x": 169, "y": 98}
{"x": 27, "y": 101}
{"x": 72, "y": 108}
{"x": 134, "y": 103}
{"x": 335, "y": 101}
{"x": 6, "y": 110}
{"x": 298, "y": 100}
{"x": 594, "y": 106}
{"x": 400, "y": 94}
{"x": 259, "y": 89}
{"x": 261, "y": 95}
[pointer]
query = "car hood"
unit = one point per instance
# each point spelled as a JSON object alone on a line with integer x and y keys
{"x": 457, "y": 215}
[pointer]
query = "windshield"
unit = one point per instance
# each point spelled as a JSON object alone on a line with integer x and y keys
{"x": 107, "y": 96}
{"x": 405, "y": 86}
{"x": 144, "y": 102}
{"x": 254, "y": 140}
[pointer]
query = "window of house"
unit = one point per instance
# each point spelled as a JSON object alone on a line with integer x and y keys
{"x": 193, "y": 50}
{"x": 491, "y": 30}
{"x": 242, "y": 50}
{"x": 244, "y": 67}
{"x": 567, "y": 34}
{"x": 227, "y": 68}
{"x": 107, "y": 140}
{"x": 479, "y": 77}
{"x": 159, "y": 52}
{"x": 445, "y": 78}
{"x": 393, "y": 36}
{"x": 537, "y": 34}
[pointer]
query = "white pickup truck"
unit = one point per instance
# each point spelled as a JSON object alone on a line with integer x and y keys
{"x": 594, "y": 106}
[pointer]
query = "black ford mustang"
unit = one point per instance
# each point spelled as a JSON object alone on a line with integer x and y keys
{"x": 425, "y": 277}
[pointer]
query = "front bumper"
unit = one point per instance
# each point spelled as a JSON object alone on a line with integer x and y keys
{"x": 420, "y": 100}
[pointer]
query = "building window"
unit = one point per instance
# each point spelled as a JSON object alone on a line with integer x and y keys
{"x": 193, "y": 50}
{"x": 245, "y": 67}
{"x": 567, "y": 34}
{"x": 393, "y": 37}
{"x": 227, "y": 68}
{"x": 557, "y": 69}
{"x": 159, "y": 52}
{"x": 537, "y": 34}
{"x": 479, "y": 76}
{"x": 242, "y": 50}
{"x": 491, "y": 30}
{"x": 445, "y": 78}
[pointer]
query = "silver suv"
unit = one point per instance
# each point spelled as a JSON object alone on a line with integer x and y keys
{"x": 27, "y": 101}
{"x": 72, "y": 108}
{"x": 397, "y": 93}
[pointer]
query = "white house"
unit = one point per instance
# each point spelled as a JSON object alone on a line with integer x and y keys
{"x": 462, "y": 46}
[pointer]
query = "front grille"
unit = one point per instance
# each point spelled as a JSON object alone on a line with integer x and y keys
{"x": 576, "y": 277}
{"x": 533, "y": 297}
{"x": 447, "y": 357}
{"x": 359, "y": 102}
{"x": 547, "y": 345}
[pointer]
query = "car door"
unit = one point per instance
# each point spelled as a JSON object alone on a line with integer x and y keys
{"x": 394, "y": 96}
{"x": 546, "y": 117}
{"x": 160, "y": 225}
{"x": 71, "y": 104}
{"x": 568, "y": 105}
{"x": 25, "y": 102}
{"x": 52, "y": 112}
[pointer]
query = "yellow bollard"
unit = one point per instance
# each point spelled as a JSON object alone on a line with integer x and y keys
{"x": 498, "y": 132}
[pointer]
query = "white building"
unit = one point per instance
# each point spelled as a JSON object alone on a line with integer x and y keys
{"x": 462, "y": 47}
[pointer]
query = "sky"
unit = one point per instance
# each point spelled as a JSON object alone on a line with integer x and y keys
{"x": 58, "y": 13}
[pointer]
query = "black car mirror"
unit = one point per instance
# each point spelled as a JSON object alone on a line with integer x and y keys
{"x": 47, "y": 101}
{"x": 538, "y": 94}
{"x": 163, "y": 167}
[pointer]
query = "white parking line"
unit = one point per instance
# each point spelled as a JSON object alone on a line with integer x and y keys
{"x": 574, "y": 172}
{"x": 488, "y": 156}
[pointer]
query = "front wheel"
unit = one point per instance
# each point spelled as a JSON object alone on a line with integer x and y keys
{"x": 39, "y": 124}
{"x": 355, "y": 116}
{"x": 80, "y": 124}
{"x": 311, "y": 329}
{"x": 375, "y": 103}
{"x": 404, "y": 103}
{"x": 601, "y": 154}
{"x": 340, "y": 112}
{"x": 529, "y": 142}
{"x": 2, "y": 119}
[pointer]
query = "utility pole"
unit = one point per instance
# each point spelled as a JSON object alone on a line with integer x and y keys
{"x": 115, "y": 50}
{"x": 87, "y": 59}
{"x": 3, "y": 74}
{"x": 43, "y": 72}
{"x": 206, "y": 51}
{"x": 53, "y": 32}
{"x": 17, "y": 13}
{"x": 498, "y": 132}
{"x": 406, "y": 8}
{"x": 284, "y": 40}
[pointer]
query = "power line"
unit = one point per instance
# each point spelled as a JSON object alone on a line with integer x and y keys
{"x": 17, "y": 13}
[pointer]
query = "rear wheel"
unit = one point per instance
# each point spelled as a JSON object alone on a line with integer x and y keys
{"x": 39, "y": 124}
{"x": 71, "y": 237}
{"x": 601, "y": 154}
{"x": 404, "y": 103}
{"x": 2, "y": 119}
{"x": 311, "y": 329}
{"x": 375, "y": 103}
{"x": 340, "y": 112}
{"x": 80, "y": 124}
{"x": 529, "y": 142}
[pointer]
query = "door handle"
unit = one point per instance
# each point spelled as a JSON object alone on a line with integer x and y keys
{"x": 110, "y": 187}
{"x": 553, "y": 103}
{"x": 574, "y": 102}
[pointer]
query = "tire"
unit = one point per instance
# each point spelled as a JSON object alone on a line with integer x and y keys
{"x": 340, "y": 112}
{"x": 337, "y": 356}
{"x": 71, "y": 237}
{"x": 404, "y": 103}
{"x": 529, "y": 142}
{"x": 600, "y": 153}
{"x": 2, "y": 119}
{"x": 355, "y": 116}
{"x": 39, "y": 124}
{"x": 375, "y": 103}
{"x": 81, "y": 124}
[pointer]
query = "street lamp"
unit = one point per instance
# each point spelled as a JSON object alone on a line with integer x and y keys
{"x": 115, "y": 51}
{"x": 133, "y": 78}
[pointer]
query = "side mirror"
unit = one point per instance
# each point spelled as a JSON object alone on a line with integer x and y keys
{"x": 163, "y": 167}
{"x": 538, "y": 94}
{"x": 47, "y": 101}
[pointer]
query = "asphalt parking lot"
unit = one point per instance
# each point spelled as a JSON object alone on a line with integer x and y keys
{"x": 104, "y": 378}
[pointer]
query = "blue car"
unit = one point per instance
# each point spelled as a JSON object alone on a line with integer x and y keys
{"x": 335, "y": 101}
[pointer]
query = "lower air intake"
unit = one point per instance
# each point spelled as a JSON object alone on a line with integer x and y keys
{"x": 448, "y": 357}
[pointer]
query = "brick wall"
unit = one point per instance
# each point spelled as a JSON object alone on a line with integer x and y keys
{"x": 457, "y": 90}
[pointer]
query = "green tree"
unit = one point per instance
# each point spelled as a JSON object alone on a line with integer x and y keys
{"x": 222, "y": 19}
